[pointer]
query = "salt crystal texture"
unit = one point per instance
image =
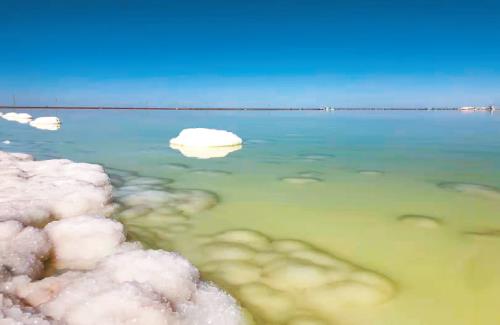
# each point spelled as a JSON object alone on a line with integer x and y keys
{"x": 34, "y": 192}
{"x": 22, "y": 250}
{"x": 100, "y": 237}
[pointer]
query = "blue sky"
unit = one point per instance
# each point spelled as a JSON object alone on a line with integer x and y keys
{"x": 250, "y": 53}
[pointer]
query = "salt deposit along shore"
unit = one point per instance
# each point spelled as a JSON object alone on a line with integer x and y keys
{"x": 63, "y": 262}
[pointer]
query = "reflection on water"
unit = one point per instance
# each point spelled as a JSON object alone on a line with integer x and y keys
{"x": 205, "y": 152}
{"x": 358, "y": 218}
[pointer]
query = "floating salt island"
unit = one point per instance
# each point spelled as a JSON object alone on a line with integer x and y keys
{"x": 62, "y": 261}
{"x": 204, "y": 143}
{"x": 50, "y": 123}
{"x": 23, "y": 118}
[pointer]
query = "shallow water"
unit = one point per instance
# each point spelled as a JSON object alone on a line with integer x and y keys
{"x": 395, "y": 216}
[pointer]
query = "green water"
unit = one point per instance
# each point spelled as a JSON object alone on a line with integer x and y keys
{"x": 367, "y": 170}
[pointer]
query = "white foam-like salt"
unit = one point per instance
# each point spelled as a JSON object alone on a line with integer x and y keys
{"x": 100, "y": 237}
{"x": 17, "y": 117}
{"x": 50, "y": 123}
{"x": 22, "y": 250}
{"x": 116, "y": 282}
{"x": 204, "y": 143}
{"x": 34, "y": 192}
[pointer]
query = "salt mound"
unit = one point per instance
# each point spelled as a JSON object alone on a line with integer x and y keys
{"x": 210, "y": 306}
{"x": 22, "y": 250}
{"x": 34, "y": 192}
{"x": 50, "y": 123}
{"x": 100, "y": 237}
{"x": 133, "y": 287}
{"x": 206, "y": 143}
{"x": 200, "y": 137}
{"x": 166, "y": 273}
{"x": 17, "y": 117}
{"x": 93, "y": 299}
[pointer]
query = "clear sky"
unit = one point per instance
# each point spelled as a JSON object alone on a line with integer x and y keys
{"x": 250, "y": 53}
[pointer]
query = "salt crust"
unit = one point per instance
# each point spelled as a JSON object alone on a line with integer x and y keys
{"x": 97, "y": 277}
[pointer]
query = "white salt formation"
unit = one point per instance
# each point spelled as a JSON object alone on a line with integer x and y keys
{"x": 100, "y": 236}
{"x": 49, "y": 123}
{"x": 112, "y": 282}
{"x": 34, "y": 192}
{"x": 206, "y": 143}
{"x": 13, "y": 312}
{"x": 200, "y": 137}
{"x": 22, "y": 250}
{"x": 17, "y": 117}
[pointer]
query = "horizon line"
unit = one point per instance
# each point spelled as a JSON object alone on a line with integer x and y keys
{"x": 326, "y": 108}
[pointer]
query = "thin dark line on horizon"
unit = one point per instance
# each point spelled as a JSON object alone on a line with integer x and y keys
{"x": 230, "y": 108}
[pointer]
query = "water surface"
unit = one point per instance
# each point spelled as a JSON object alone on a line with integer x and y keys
{"x": 404, "y": 203}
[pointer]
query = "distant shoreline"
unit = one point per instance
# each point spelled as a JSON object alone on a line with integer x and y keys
{"x": 225, "y": 109}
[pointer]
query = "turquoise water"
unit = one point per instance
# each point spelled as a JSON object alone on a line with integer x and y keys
{"x": 407, "y": 201}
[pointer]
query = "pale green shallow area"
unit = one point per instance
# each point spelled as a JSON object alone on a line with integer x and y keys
{"x": 443, "y": 270}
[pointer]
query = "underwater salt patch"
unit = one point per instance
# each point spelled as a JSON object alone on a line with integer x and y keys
{"x": 420, "y": 221}
{"x": 301, "y": 180}
{"x": 281, "y": 279}
{"x": 185, "y": 201}
{"x": 370, "y": 172}
{"x": 491, "y": 234}
{"x": 485, "y": 191}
